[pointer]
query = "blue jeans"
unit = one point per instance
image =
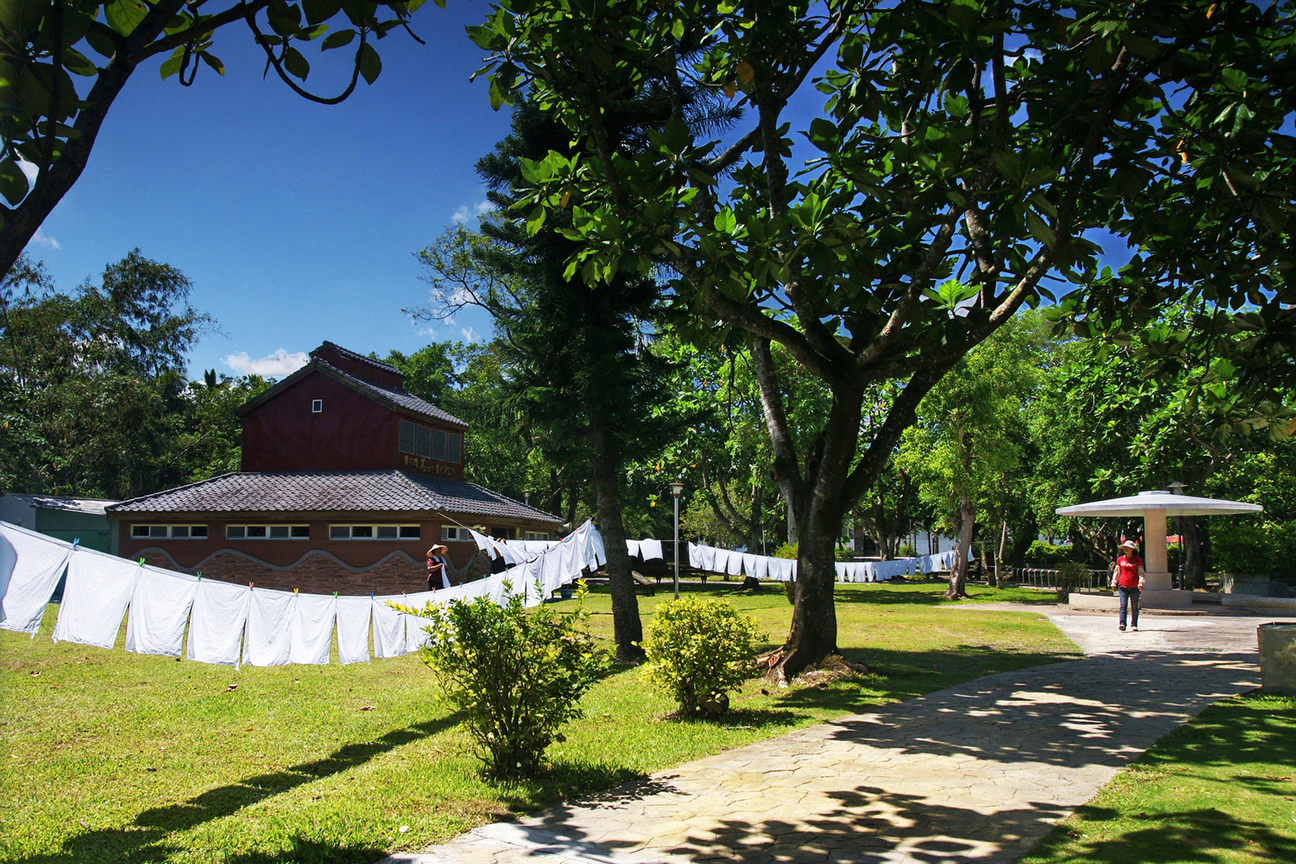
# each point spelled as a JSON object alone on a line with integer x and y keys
{"x": 1129, "y": 597}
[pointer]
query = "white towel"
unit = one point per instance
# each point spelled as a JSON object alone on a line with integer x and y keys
{"x": 99, "y": 588}
{"x": 353, "y": 629}
{"x": 695, "y": 556}
{"x": 269, "y": 628}
{"x": 415, "y": 633}
{"x": 159, "y": 610}
{"x": 749, "y": 564}
{"x": 220, "y": 611}
{"x": 30, "y": 567}
{"x": 312, "y": 629}
{"x": 762, "y": 567}
{"x": 734, "y": 564}
{"x": 388, "y": 629}
{"x": 651, "y": 549}
{"x": 841, "y": 571}
{"x": 632, "y": 548}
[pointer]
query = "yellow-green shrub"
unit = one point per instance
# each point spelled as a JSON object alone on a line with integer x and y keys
{"x": 699, "y": 650}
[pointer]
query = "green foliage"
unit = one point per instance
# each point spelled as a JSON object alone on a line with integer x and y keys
{"x": 516, "y": 676}
{"x": 92, "y": 386}
{"x": 787, "y": 550}
{"x": 699, "y": 650}
{"x": 906, "y": 551}
{"x": 1071, "y": 576}
{"x": 1048, "y": 556}
{"x": 1243, "y": 545}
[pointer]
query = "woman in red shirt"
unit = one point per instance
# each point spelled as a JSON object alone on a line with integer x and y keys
{"x": 1128, "y": 578}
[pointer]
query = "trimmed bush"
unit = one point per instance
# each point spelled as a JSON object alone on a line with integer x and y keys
{"x": 1071, "y": 576}
{"x": 1041, "y": 554}
{"x": 906, "y": 551}
{"x": 516, "y": 675}
{"x": 699, "y": 650}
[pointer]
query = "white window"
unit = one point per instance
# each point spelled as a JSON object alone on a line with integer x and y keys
{"x": 267, "y": 532}
{"x": 317, "y": 406}
{"x": 174, "y": 532}
{"x": 454, "y": 532}
{"x": 375, "y": 532}
{"x": 537, "y": 535}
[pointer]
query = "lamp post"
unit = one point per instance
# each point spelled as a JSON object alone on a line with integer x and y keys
{"x": 676, "y": 488}
{"x": 1177, "y": 488}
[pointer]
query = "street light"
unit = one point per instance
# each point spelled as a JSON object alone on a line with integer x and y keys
{"x": 1177, "y": 488}
{"x": 676, "y": 488}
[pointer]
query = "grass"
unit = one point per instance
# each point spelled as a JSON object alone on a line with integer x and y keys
{"x": 1219, "y": 789}
{"x": 114, "y": 757}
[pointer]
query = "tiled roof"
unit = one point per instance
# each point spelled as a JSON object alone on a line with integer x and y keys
{"x": 389, "y": 396}
{"x": 334, "y": 491}
{"x": 399, "y": 398}
{"x": 360, "y": 358}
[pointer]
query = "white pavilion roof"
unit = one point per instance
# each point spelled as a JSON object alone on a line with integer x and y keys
{"x": 1159, "y": 499}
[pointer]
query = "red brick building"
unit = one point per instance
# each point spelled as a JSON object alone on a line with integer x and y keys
{"x": 346, "y": 481}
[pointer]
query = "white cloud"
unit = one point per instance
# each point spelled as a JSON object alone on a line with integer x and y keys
{"x": 277, "y": 365}
{"x": 469, "y": 334}
{"x": 464, "y": 212}
{"x": 45, "y": 240}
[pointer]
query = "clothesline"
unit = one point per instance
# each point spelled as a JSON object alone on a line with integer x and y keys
{"x": 211, "y": 621}
{"x": 717, "y": 560}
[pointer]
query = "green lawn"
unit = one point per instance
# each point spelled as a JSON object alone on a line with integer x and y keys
{"x": 117, "y": 757}
{"x": 1220, "y": 789}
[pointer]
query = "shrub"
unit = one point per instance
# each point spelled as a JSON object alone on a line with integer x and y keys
{"x": 1041, "y": 554}
{"x": 787, "y": 551}
{"x": 906, "y": 551}
{"x": 699, "y": 650}
{"x": 1242, "y": 547}
{"x": 1071, "y": 575}
{"x": 516, "y": 676}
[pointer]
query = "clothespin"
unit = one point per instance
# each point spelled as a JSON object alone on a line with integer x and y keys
{"x": 294, "y": 590}
{"x": 334, "y": 593}
{"x": 250, "y": 584}
{"x": 199, "y": 575}
{"x": 141, "y": 562}
{"x": 76, "y": 541}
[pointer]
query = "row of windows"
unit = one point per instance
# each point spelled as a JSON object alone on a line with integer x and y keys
{"x": 428, "y": 443}
{"x": 374, "y": 532}
{"x": 302, "y": 532}
{"x": 191, "y": 532}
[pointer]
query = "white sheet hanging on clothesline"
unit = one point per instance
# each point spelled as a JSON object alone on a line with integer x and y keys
{"x": 211, "y": 621}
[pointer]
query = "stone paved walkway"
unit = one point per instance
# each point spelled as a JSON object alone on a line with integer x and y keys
{"x": 979, "y": 772}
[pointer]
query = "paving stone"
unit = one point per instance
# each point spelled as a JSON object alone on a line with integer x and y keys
{"x": 978, "y": 772}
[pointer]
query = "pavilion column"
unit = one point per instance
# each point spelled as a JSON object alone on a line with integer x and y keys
{"x": 1154, "y": 550}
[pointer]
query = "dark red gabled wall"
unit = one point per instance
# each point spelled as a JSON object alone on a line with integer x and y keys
{"x": 351, "y": 433}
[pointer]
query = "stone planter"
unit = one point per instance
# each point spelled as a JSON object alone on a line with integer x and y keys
{"x": 1277, "y": 657}
{"x": 1256, "y": 584}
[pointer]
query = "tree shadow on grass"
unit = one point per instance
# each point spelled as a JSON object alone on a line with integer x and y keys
{"x": 1202, "y": 835}
{"x": 307, "y": 851}
{"x": 144, "y": 840}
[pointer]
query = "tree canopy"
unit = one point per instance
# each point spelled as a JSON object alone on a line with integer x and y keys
{"x": 1002, "y": 144}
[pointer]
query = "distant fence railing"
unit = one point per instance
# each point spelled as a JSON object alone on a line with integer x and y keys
{"x": 1039, "y": 577}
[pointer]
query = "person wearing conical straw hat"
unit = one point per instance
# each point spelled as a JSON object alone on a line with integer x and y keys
{"x": 1128, "y": 579}
{"x": 436, "y": 567}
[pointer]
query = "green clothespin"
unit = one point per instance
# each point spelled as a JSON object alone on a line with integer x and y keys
{"x": 199, "y": 575}
{"x": 141, "y": 562}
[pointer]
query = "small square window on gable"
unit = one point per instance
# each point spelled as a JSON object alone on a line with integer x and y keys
{"x": 317, "y": 406}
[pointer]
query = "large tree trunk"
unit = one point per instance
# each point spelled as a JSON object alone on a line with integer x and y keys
{"x": 958, "y": 573}
{"x": 1194, "y": 567}
{"x": 626, "y": 624}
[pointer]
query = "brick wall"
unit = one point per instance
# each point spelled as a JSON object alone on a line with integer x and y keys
{"x": 317, "y": 572}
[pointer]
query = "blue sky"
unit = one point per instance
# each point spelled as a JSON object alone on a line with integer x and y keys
{"x": 296, "y": 222}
